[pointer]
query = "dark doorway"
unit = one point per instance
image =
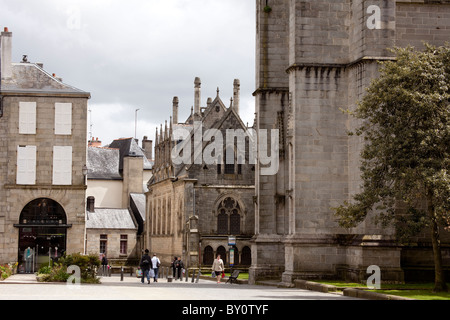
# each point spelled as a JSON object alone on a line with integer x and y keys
{"x": 42, "y": 234}
{"x": 208, "y": 256}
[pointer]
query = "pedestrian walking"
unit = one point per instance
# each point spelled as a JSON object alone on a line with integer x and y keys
{"x": 145, "y": 266}
{"x": 174, "y": 266}
{"x": 218, "y": 268}
{"x": 155, "y": 265}
{"x": 104, "y": 265}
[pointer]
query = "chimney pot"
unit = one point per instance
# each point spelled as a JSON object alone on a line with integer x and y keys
{"x": 6, "y": 54}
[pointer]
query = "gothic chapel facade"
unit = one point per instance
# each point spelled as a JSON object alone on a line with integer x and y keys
{"x": 193, "y": 207}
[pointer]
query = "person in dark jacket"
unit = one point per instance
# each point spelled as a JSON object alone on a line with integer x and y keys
{"x": 145, "y": 266}
{"x": 104, "y": 269}
{"x": 180, "y": 267}
{"x": 174, "y": 267}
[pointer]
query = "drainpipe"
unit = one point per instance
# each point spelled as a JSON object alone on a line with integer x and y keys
{"x": 1, "y": 105}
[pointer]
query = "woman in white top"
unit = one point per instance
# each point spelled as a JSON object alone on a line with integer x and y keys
{"x": 218, "y": 268}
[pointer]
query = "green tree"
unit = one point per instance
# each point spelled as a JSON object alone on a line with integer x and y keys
{"x": 405, "y": 160}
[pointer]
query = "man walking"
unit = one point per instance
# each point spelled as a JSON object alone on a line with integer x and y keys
{"x": 155, "y": 266}
{"x": 145, "y": 266}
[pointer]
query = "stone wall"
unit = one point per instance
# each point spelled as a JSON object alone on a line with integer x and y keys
{"x": 328, "y": 55}
{"x": 113, "y": 242}
{"x": 13, "y": 197}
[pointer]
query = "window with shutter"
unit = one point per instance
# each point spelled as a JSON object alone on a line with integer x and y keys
{"x": 62, "y": 165}
{"x": 26, "y": 165}
{"x": 63, "y": 118}
{"x": 27, "y": 117}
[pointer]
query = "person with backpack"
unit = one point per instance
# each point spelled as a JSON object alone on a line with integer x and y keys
{"x": 145, "y": 266}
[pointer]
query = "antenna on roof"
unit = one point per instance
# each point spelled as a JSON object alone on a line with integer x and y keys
{"x": 90, "y": 124}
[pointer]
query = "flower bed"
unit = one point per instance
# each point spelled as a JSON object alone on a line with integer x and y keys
{"x": 7, "y": 270}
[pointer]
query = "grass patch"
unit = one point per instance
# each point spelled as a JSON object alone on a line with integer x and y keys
{"x": 419, "y": 291}
{"x": 242, "y": 275}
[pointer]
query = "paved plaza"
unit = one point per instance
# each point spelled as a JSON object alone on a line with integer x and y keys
{"x": 25, "y": 287}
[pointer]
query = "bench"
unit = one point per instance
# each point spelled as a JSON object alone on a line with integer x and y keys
{"x": 234, "y": 276}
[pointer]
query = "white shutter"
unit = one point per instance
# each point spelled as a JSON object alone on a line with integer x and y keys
{"x": 62, "y": 165}
{"x": 26, "y": 165}
{"x": 27, "y": 117}
{"x": 63, "y": 118}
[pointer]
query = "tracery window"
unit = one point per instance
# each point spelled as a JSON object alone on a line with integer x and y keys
{"x": 229, "y": 217}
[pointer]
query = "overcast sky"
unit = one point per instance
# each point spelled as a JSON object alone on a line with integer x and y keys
{"x": 139, "y": 54}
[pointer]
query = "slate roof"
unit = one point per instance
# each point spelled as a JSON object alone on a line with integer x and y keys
{"x": 129, "y": 147}
{"x": 103, "y": 164}
{"x": 31, "y": 78}
{"x": 139, "y": 201}
{"x": 110, "y": 219}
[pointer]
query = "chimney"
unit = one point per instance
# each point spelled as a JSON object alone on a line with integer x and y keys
{"x": 236, "y": 95}
{"x": 147, "y": 145}
{"x": 175, "y": 110}
{"x": 95, "y": 143}
{"x": 6, "y": 54}
{"x": 90, "y": 204}
{"x": 198, "y": 95}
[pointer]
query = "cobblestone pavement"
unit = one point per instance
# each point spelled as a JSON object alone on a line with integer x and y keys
{"x": 25, "y": 287}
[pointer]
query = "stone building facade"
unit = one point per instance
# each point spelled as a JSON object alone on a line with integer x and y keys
{"x": 116, "y": 182}
{"x": 194, "y": 206}
{"x": 314, "y": 58}
{"x": 43, "y": 125}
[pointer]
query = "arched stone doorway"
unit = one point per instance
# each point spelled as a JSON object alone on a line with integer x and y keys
{"x": 42, "y": 234}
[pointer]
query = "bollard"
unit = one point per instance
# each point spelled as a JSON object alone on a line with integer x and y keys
{"x": 193, "y": 276}
{"x": 121, "y": 273}
{"x": 187, "y": 275}
{"x": 131, "y": 271}
{"x": 198, "y": 276}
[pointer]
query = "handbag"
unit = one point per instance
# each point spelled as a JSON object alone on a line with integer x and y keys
{"x": 223, "y": 274}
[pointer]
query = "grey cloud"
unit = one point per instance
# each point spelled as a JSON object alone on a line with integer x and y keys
{"x": 139, "y": 54}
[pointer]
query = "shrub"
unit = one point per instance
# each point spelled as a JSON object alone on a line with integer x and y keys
{"x": 58, "y": 272}
{"x": 45, "y": 270}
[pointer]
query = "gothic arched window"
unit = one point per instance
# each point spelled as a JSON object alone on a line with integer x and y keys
{"x": 222, "y": 222}
{"x": 229, "y": 217}
{"x": 246, "y": 256}
{"x": 208, "y": 256}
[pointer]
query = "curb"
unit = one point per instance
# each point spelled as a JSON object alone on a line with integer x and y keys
{"x": 348, "y": 292}
{"x": 314, "y": 286}
{"x": 362, "y": 294}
